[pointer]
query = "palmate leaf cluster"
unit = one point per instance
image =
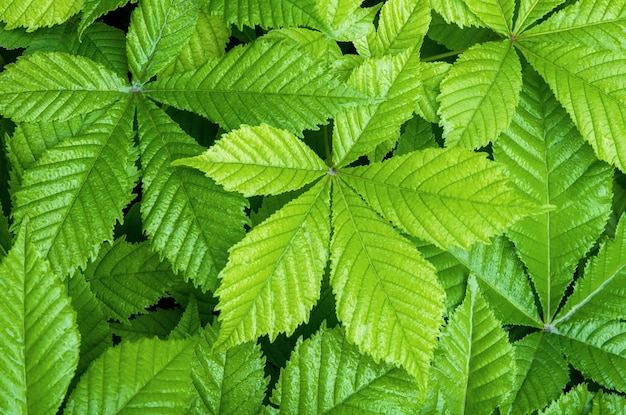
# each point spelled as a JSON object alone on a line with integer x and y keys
{"x": 306, "y": 206}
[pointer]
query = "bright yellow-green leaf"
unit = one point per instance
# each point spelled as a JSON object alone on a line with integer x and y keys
{"x": 33, "y": 14}
{"x": 496, "y": 14}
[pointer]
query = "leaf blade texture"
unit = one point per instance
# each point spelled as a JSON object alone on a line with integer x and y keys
{"x": 76, "y": 191}
{"x": 189, "y": 219}
{"x": 33, "y": 14}
{"x": 381, "y": 282}
{"x": 595, "y": 73}
{"x": 142, "y": 377}
{"x": 258, "y": 292}
{"x": 298, "y": 93}
{"x": 40, "y": 339}
{"x": 451, "y": 197}
{"x": 554, "y": 166}
{"x": 38, "y": 88}
{"x": 497, "y": 15}
{"x": 156, "y": 34}
{"x": 229, "y": 382}
{"x": 576, "y": 401}
{"x": 532, "y": 10}
{"x": 327, "y": 374}
{"x": 596, "y": 348}
{"x": 260, "y": 160}
{"x": 599, "y": 294}
{"x": 473, "y": 367}
{"x": 479, "y": 94}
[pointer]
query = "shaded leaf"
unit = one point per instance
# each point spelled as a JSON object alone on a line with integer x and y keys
{"x": 33, "y": 14}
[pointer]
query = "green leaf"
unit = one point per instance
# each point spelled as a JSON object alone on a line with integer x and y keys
{"x": 341, "y": 20}
{"x": 474, "y": 365}
{"x": 575, "y": 402}
{"x": 60, "y": 190}
{"x": 479, "y": 94}
{"x": 260, "y": 160}
{"x": 402, "y": 26}
{"x": 326, "y": 374}
{"x": 503, "y": 281}
{"x": 551, "y": 163}
{"x": 608, "y": 403}
{"x": 95, "y": 335}
{"x": 230, "y": 382}
{"x": 540, "y": 374}
{"x": 157, "y": 33}
{"x": 5, "y": 235}
{"x": 455, "y": 38}
{"x": 104, "y": 44}
{"x": 127, "y": 277}
{"x": 92, "y": 9}
{"x": 207, "y": 41}
{"x": 598, "y": 349}
{"x": 600, "y": 294}
{"x": 189, "y": 324}
{"x": 189, "y": 219}
{"x": 588, "y": 82}
{"x": 273, "y": 276}
{"x": 585, "y": 22}
{"x": 33, "y": 14}
{"x": 497, "y": 14}
{"x": 532, "y": 10}
{"x": 451, "y": 197}
{"x": 297, "y": 93}
{"x": 39, "y": 87}
{"x": 40, "y": 341}
{"x": 417, "y": 135}
{"x": 395, "y": 79}
{"x": 456, "y": 11}
{"x": 432, "y": 73}
{"x": 158, "y": 323}
{"x": 144, "y": 377}
{"x": 380, "y": 281}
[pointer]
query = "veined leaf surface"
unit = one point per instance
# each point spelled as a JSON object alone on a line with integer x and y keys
{"x": 40, "y": 341}
{"x": 575, "y": 401}
{"x": 479, "y": 94}
{"x": 532, "y": 10}
{"x": 601, "y": 292}
{"x": 155, "y": 33}
{"x": 298, "y": 93}
{"x": 327, "y": 374}
{"x": 474, "y": 363}
{"x": 144, "y": 377}
{"x": 274, "y": 274}
{"x": 382, "y": 284}
{"x": 259, "y": 160}
{"x": 189, "y": 219}
{"x": 451, "y": 197}
{"x": 496, "y": 14}
{"x": 33, "y": 14}
{"x": 551, "y": 163}
{"x": 76, "y": 191}
{"x": 39, "y": 87}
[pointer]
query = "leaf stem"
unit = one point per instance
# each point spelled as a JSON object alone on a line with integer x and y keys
{"x": 444, "y": 55}
{"x": 329, "y": 156}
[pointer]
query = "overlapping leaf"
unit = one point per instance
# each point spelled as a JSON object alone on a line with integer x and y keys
{"x": 479, "y": 94}
{"x": 188, "y": 218}
{"x": 40, "y": 341}
{"x": 474, "y": 364}
{"x": 402, "y": 26}
{"x": 327, "y": 374}
{"x": 49, "y": 86}
{"x": 554, "y": 166}
{"x": 586, "y": 22}
{"x": 497, "y": 15}
{"x": 127, "y": 277}
{"x": 576, "y": 401}
{"x": 359, "y": 130}
{"x": 33, "y": 14}
{"x": 597, "y": 348}
{"x": 157, "y": 33}
{"x": 341, "y": 20}
{"x": 540, "y": 373}
{"x": 244, "y": 161}
{"x": 297, "y": 93}
{"x": 503, "y": 281}
{"x": 456, "y": 11}
{"x": 447, "y": 196}
{"x": 76, "y": 191}
{"x": 595, "y": 73}
{"x": 602, "y": 291}
{"x": 273, "y": 276}
{"x": 144, "y": 377}
{"x": 532, "y": 10}
{"x": 230, "y": 382}
{"x": 92, "y": 9}
{"x": 381, "y": 283}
